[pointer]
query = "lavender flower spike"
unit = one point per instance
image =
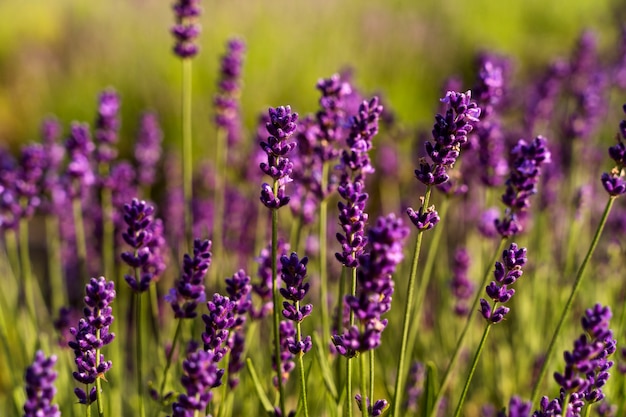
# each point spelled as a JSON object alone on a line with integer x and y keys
{"x": 189, "y": 289}
{"x": 281, "y": 126}
{"x": 107, "y": 126}
{"x": 186, "y": 30}
{"x": 506, "y": 273}
{"x": 293, "y": 272}
{"x": 613, "y": 181}
{"x": 148, "y": 149}
{"x": 40, "y": 390}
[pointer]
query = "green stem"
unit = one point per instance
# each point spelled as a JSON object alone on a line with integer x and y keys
{"x": 138, "y": 352}
{"x": 472, "y": 311}
{"x": 81, "y": 242}
{"x": 472, "y": 370}
{"x": 88, "y": 408}
{"x": 372, "y": 354}
{"x": 187, "y": 150}
{"x": 28, "y": 286}
{"x": 323, "y": 224}
{"x": 98, "y": 379}
{"x": 170, "y": 354}
{"x": 59, "y": 294}
{"x": 13, "y": 253}
{"x": 408, "y": 312}
{"x": 349, "y": 375}
{"x": 108, "y": 229}
{"x": 364, "y": 407}
{"x": 570, "y": 300}
{"x": 276, "y": 309}
{"x": 221, "y": 155}
{"x": 301, "y": 366}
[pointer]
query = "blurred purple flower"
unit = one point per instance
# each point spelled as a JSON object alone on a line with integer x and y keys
{"x": 186, "y": 30}
{"x": 40, "y": 390}
{"x": 148, "y": 149}
{"x": 226, "y": 101}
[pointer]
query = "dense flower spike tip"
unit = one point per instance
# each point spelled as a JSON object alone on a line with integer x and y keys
{"x": 424, "y": 219}
{"x": 148, "y": 149}
{"x": 293, "y": 272}
{"x": 107, "y": 126}
{"x": 227, "y": 100}
{"x": 372, "y": 410}
{"x": 281, "y": 126}
{"x": 506, "y": 273}
{"x": 186, "y": 30}
{"x": 189, "y": 289}
{"x": 462, "y": 287}
{"x": 40, "y": 390}
{"x": 375, "y": 286}
{"x": 200, "y": 375}
{"x": 613, "y": 181}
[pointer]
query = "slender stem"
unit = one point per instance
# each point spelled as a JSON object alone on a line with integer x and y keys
{"x": 459, "y": 406}
{"x": 28, "y": 286}
{"x": 139, "y": 353}
{"x": 221, "y": 155}
{"x": 187, "y": 150}
{"x": 323, "y": 224}
{"x": 305, "y": 404}
{"x": 88, "y": 408}
{"x": 276, "y": 309}
{"x": 59, "y": 294}
{"x": 372, "y": 354}
{"x": 108, "y": 229}
{"x": 570, "y": 300}
{"x": 98, "y": 379}
{"x": 408, "y": 312}
{"x": 170, "y": 354}
{"x": 472, "y": 311}
{"x": 364, "y": 407}
{"x": 349, "y": 369}
{"x": 81, "y": 242}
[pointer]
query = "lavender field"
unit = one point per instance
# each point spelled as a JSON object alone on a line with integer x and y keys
{"x": 312, "y": 209}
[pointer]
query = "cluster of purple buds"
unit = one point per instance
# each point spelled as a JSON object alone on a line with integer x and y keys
{"x": 613, "y": 181}
{"x": 462, "y": 287}
{"x": 425, "y": 218}
{"x": 200, "y": 375}
{"x": 293, "y": 272}
{"x": 375, "y": 286}
{"x": 189, "y": 289}
{"x": 263, "y": 288}
{"x": 239, "y": 290}
{"x": 30, "y": 179}
{"x": 107, "y": 126}
{"x": 287, "y": 334}
{"x": 526, "y": 161}
{"x": 356, "y": 164}
{"x": 79, "y": 147}
{"x": 489, "y": 89}
{"x": 372, "y": 410}
{"x": 587, "y": 365}
{"x": 281, "y": 126}
{"x": 148, "y": 148}
{"x": 91, "y": 335}
{"x": 186, "y": 30}
{"x": 222, "y": 318}
{"x": 40, "y": 390}
{"x": 140, "y": 235}
{"x": 55, "y": 152}
{"x": 449, "y": 135}
{"x": 331, "y": 118}
{"x": 506, "y": 273}
{"x": 227, "y": 100}
{"x": 517, "y": 408}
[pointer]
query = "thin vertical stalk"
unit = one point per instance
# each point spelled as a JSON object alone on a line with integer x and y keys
{"x": 570, "y": 300}
{"x": 187, "y": 150}
{"x": 303, "y": 391}
{"x": 349, "y": 368}
{"x": 276, "y": 309}
{"x": 364, "y": 407}
{"x": 459, "y": 406}
{"x": 408, "y": 311}
{"x": 138, "y": 354}
{"x": 58, "y": 293}
{"x": 98, "y": 380}
{"x": 28, "y": 286}
{"x": 170, "y": 354}
{"x": 81, "y": 242}
{"x": 108, "y": 229}
{"x": 221, "y": 155}
{"x": 323, "y": 261}
{"x": 372, "y": 354}
{"x": 472, "y": 311}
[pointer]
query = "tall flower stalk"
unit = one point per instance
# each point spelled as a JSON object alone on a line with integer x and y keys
{"x": 449, "y": 134}
{"x": 185, "y": 31}
{"x": 615, "y": 185}
{"x": 281, "y": 126}
{"x": 506, "y": 273}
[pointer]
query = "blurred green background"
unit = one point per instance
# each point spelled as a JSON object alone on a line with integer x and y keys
{"x": 56, "y": 56}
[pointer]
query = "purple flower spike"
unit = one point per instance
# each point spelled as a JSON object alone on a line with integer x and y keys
{"x": 375, "y": 285}
{"x": 218, "y": 323}
{"x": 186, "y": 30}
{"x": 462, "y": 287}
{"x": 189, "y": 289}
{"x": 200, "y": 375}
{"x": 145, "y": 236}
{"x": 293, "y": 273}
{"x": 281, "y": 126}
{"x": 79, "y": 149}
{"x": 613, "y": 181}
{"x": 372, "y": 410}
{"x": 424, "y": 219}
{"x": 517, "y": 408}
{"x": 148, "y": 149}
{"x": 91, "y": 334}
{"x": 107, "y": 126}
{"x": 227, "y": 100}
{"x": 40, "y": 390}
{"x": 505, "y": 273}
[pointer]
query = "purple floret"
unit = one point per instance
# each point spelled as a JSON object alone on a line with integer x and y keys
{"x": 186, "y": 30}
{"x": 40, "y": 390}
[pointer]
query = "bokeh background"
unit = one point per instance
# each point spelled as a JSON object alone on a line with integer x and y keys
{"x": 56, "y": 56}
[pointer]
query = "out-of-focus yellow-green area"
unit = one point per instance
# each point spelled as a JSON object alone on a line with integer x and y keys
{"x": 56, "y": 56}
